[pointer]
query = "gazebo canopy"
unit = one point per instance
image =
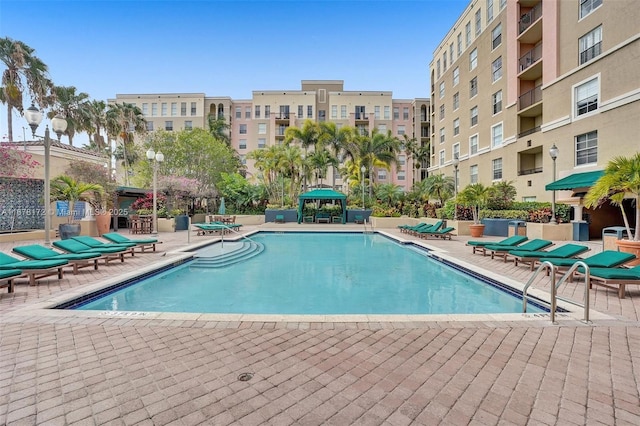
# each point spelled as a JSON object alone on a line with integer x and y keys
{"x": 322, "y": 194}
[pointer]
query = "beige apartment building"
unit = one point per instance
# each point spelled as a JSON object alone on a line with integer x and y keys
{"x": 514, "y": 77}
{"x": 261, "y": 121}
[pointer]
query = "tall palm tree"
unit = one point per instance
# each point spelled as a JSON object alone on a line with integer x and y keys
{"x": 95, "y": 121}
{"x": 25, "y": 71}
{"x": 440, "y": 187}
{"x": 219, "y": 128}
{"x": 336, "y": 140}
{"x": 320, "y": 161}
{"x": 74, "y": 107}
{"x": 307, "y": 137}
{"x": 417, "y": 152}
{"x": 124, "y": 121}
{"x": 389, "y": 193}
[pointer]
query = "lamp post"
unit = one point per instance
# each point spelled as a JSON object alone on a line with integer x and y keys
{"x": 456, "y": 162}
{"x": 362, "y": 170}
{"x": 553, "y": 152}
{"x": 156, "y": 157}
{"x": 59, "y": 125}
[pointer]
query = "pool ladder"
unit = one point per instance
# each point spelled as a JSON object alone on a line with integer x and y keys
{"x": 553, "y": 290}
{"x": 365, "y": 222}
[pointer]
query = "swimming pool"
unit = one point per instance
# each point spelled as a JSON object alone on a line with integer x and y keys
{"x": 315, "y": 273}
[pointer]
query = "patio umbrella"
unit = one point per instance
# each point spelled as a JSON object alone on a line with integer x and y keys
{"x": 221, "y": 209}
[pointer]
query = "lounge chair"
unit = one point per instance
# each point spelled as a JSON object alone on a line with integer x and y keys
{"x": 419, "y": 232}
{"x": 614, "y": 278}
{"x": 358, "y": 219}
{"x": 566, "y": 251}
{"x": 531, "y": 245}
{"x": 94, "y": 243}
{"x": 405, "y": 227}
{"x": 142, "y": 243}
{"x": 7, "y": 276}
{"x": 444, "y": 233}
{"x": 210, "y": 228}
{"x": 279, "y": 218}
{"x": 107, "y": 253}
{"x": 34, "y": 269}
{"x": 604, "y": 259}
{"x": 507, "y": 242}
{"x": 78, "y": 260}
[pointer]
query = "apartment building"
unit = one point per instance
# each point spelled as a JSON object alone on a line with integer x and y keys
{"x": 512, "y": 78}
{"x": 261, "y": 121}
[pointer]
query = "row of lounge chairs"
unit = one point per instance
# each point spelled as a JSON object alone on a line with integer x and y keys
{"x": 76, "y": 253}
{"x": 605, "y": 268}
{"x": 215, "y": 227}
{"x": 425, "y": 230}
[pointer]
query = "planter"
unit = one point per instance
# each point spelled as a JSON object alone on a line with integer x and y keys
{"x": 476, "y": 230}
{"x": 68, "y": 230}
{"x": 629, "y": 246}
{"x": 166, "y": 225}
{"x": 103, "y": 223}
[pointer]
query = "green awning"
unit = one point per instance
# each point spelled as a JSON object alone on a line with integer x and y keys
{"x": 576, "y": 180}
{"x": 322, "y": 194}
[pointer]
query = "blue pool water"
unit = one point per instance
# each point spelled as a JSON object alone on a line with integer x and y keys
{"x": 316, "y": 273}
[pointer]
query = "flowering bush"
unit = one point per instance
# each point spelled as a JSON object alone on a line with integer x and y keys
{"x": 146, "y": 202}
{"x": 179, "y": 190}
{"x": 16, "y": 163}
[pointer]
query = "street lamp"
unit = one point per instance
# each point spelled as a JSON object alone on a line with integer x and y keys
{"x": 553, "y": 152}
{"x": 156, "y": 157}
{"x": 59, "y": 125}
{"x": 456, "y": 162}
{"x": 362, "y": 170}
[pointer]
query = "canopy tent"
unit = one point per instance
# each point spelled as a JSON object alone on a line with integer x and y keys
{"x": 576, "y": 180}
{"x": 322, "y": 194}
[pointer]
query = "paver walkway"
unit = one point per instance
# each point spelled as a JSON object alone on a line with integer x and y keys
{"x": 59, "y": 369}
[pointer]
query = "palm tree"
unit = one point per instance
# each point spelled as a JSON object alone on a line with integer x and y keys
{"x": 24, "y": 71}
{"x": 336, "y": 139}
{"x": 124, "y": 121}
{"x": 417, "y": 152}
{"x": 440, "y": 187}
{"x": 389, "y": 193}
{"x": 219, "y": 128}
{"x": 320, "y": 162}
{"x": 74, "y": 107}
{"x": 95, "y": 121}
{"x": 474, "y": 195}
{"x": 307, "y": 137}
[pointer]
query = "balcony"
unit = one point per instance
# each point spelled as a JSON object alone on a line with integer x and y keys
{"x": 529, "y": 171}
{"x": 528, "y": 132}
{"x": 282, "y": 117}
{"x": 361, "y": 116}
{"x": 530, "y": 25}
{"x": 529, "y": 65}
{"x": 528, "y": 99}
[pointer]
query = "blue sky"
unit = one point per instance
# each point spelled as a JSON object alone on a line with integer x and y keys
{"x": 230, "y": 48}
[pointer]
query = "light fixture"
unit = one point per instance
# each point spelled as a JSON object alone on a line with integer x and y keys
{"x": 553, "y": 152}
{"x": 362, "y": 170}
{"x": 456, "y": 162}
{"x": 156, "y": 157}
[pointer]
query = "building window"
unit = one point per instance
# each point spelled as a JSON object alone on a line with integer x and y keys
{"x": 474, "y": 116}
{"x": 154, "y": 109}
{"x": 256, "y": 112}
{"x": 343, "y": 111}
{"x": 456, "y": 127}
{"x": 387, "y": 112}
{"x": 496, "y": 36}
{"x": 467, "y": 34}
{"x": 473, "y": 87}
{"x": 441, "y": 89}
{"x": 300, "y": 111}
{"x": 497, "y": 168}
{"x": 183, "y": 109}
{"x": 238, "y": 112}
{"x": 168, "y": 125}
{"x": 441, "y": 112}
{"x": 586, "y": 96}
{"x": 396, "y": 113}
{"x": 473, "y": 174}
{"x": 473, "y": 144}
{"x": 590, "y": 45}
{"x": 441, "y": 159}
{"x": 243, "y": 159}
{"x": 496, "y": 101}
{"x": 478, "y": 22}
{"x": 405, "y": 113}
{"x": 309, "y": 111}
{"x": 401, "y": 130}
{"x": 188, "y": 125}
{"x": 267, "y": 111}
{"x": 193, "y": 108}
{"x": 376, "y": 112}
{"x": 334, "y": 112}
{"x": 496, "y": 135}
{"x": 456, "y": 101}
{"x": 401, "y": 175}
{"x": 247, "y": 112}
{"x": 149, "y": 126}
{"x": 262, "y": 142}
{"x": 243, "y": 144}
{"x": 456, "y": 151}
{"x": 456, "y": 76}
{"x": 262, "y": 128}
{"x": 451, "y": 53}
{"x": 322, "y": 115}
{"x": 243, "y": 129}
{"x": 438, "y": 68}
{"x": 496, "y": 68}
{"x": 382, "y": 128}
{"x": 164, "y": 109}
{"x": 587, "y": 148}
{"x": 489, "y": 11}
{"x": 442, "y": 135}
{"x": 382, "y": 175}
{"x": 473, "y": 59}
{"x": 444, "y": 61}
{"x": 503, "y": 3}
{"x": 459, "y": 44}
{"x": 588, "y": 6}
{"x": 402, "y": 160}
{"x": 145, "y": 108}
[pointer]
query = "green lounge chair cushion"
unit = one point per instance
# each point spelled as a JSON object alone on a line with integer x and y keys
{"x": 73, "y": 246}
{"x": 92, "y": 242}
{"x": 563, "y": 252}
{"x": 616, "y": 273}
{"x": 532, "y": 245}
{"x": 38, "y": 252}
{"x": 10, "y": 262}
{"x": 8, "y": 273}
{"x": 511, "y": 241}
{"x": 605, "y": 259}
{"x": 117, "y": 238}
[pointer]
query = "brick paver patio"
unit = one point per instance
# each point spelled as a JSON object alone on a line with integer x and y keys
{"x": 58, "y": 368}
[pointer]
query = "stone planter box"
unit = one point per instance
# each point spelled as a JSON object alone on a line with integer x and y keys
{"x": 547, "y": 231}
{"x": 199, "y": 218}
{"x": 166, "y": 225}
{"x": 461, "y": 226}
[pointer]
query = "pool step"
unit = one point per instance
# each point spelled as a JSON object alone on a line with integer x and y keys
{"x": 232, "y": 253}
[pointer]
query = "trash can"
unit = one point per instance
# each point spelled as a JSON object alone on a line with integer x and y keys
{"x": 517, "y": 227}
{"x": 611, "y": 234}
{"x": 182, "y": 223}
{"x": 580, "y": 231}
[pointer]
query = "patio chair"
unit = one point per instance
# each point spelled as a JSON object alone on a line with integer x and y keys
{"x": 279, "y": 218}
{"x": 210, "y": 228}
{"x": 107, "y": 253}
{"x": 78, "y": 260}
{"x": 566, "y": 251}
{"x": 94, "y": 243}
{"x": 531, "y": 245}
{"x": 418, "y": 232}
{"x": 141, "y": 243}
{"x": 604, "y": 259}
{"x": 34, "y": 269}
{"x": 359, "y": 219}
{"x": 507, "y": 242}
{"x": 7, "y": 276}
{"x": 444, "y": 233}
{"x": 614, "y": 278}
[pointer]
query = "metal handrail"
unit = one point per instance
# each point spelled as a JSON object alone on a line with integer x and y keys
{"x": 543, "y": 266}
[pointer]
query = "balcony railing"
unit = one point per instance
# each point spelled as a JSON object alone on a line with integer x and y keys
{"x": 591, "y": 53}
{"x": 530, "y": 57}
{"x": 362, "y": 116}
{"x": 529, "y": 132}
{"x": 531, "y": 97}
{"x": 529, "y": 171}
{"x": 530, "y": 17}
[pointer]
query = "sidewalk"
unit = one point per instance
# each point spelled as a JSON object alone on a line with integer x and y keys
{"x": 59, "y": 369}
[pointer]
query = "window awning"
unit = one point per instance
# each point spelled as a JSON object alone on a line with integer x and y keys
{"x": 576, "y": 180}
